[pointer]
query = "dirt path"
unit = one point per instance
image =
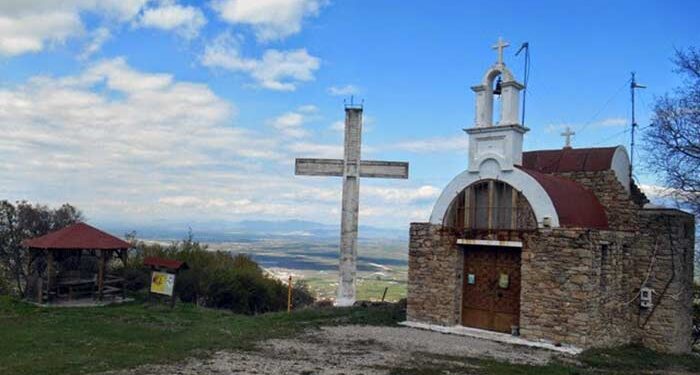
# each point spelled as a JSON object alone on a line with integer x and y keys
{"x": 351, "y": 350}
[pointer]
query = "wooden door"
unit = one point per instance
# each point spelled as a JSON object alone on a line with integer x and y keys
{"x": 491, "y": 288}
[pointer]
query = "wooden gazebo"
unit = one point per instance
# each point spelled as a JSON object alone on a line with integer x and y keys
{"x": 79, "y": 242}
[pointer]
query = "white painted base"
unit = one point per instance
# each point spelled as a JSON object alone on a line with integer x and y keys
{"x": 493, "y": 336}
{"x": 344, "y": 302}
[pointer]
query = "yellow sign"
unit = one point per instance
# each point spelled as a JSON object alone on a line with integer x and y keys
{"x": 162, "y": 283}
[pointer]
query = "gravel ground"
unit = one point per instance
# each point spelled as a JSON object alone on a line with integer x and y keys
{"x": 349, "y": 350}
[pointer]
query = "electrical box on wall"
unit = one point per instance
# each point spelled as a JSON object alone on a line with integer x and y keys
{"x": 645, "y": 297}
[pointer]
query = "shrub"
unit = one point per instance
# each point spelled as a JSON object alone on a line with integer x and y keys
{"x": 216, "y": 279}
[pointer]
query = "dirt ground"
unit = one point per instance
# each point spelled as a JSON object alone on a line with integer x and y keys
{"x": 351, "y": 350}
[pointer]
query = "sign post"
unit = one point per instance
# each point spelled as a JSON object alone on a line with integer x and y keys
{"x": 163, "y": 277}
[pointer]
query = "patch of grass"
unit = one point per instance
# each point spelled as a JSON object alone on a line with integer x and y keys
{"x": 36, "y": 340}
{"x": 615, "y": 361}
{"x": 634, "y": 357}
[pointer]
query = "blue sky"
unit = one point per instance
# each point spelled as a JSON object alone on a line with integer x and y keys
{"x": 143, "y": 112}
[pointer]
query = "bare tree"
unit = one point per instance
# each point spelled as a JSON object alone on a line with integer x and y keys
{"x": 21, "y": 221}
{"x": 673, "y": 140}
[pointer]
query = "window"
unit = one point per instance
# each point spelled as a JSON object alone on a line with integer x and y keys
{"x": 490, "y": 204}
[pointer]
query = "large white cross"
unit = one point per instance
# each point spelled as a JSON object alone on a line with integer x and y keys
{"x": 568, "y": 133}
{"x": 500, "y": 45}
{"x": 351, "y": 168}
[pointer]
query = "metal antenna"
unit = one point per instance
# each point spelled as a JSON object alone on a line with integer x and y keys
{"x": 633, "y": 85}
{"x": 526, "y": 74}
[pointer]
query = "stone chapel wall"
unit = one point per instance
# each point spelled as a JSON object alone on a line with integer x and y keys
{"x": 435, "y": 267}
{"x": 619, "y": 206}
{"x": 663, "y": 257}
{"x": 572, "y": 283}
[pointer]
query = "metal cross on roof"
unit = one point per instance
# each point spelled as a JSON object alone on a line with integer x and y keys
{"x": 568, "y": 133}
{"x": 500, "y": 45}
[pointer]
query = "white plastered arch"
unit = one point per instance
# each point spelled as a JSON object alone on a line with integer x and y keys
{"x": 541, "y": 203}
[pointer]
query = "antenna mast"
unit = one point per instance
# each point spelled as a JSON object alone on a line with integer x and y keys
{"x": 633, "y": 85}
{"x": 526, "y": 75}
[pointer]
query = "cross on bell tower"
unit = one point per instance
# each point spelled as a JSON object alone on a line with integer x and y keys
{"x": 499, "y": 46}
{"x": 502, "y": 141}
{"x": 567, "y": 134}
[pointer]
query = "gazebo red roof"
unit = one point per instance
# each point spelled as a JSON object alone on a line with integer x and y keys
{"x": 77, "y": 236}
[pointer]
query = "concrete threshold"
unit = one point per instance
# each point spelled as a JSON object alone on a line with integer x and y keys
{"x": 493, "y": 336}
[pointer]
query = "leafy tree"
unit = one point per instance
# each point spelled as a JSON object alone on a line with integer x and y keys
{"x": 21, "y": 221}
{"x": 673, "y": 142}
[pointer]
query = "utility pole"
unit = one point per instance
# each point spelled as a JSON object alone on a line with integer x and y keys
{"x": 633, "y": 85}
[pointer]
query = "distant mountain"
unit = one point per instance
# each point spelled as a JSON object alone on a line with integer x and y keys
{"x": 249, "y": 230}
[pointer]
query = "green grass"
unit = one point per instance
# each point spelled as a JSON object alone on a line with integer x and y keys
{"x": 368, "y": 287}
{"x": 613, "y": 361}
{"x": 36, "y": 340}
{"x": 61, "y": 341}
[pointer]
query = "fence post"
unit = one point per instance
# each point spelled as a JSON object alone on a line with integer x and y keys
{"x": 289, "y": 295}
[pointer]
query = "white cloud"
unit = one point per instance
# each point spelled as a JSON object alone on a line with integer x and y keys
{"x": 613, "y": 121}
{"x": 99, "y": 37}
{"x": 28, "y": 26}
{"x": 403, "y": 195}
{"x": 343, "y": 90}
{"x": 276, "y": 70}
{"x": 29, "y": 33}
{"x": 291, "y": 124}
{"x": 94, "y": 139}
{"x": 338, "y": 126}
{"x": 316, "y": 150}
{"x": 432, "y": 145}
{"x": 184, "y": 20}
{"x": 271, "y": 19}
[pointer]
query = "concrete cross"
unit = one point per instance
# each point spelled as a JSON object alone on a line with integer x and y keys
{"x": 351, "y": 168}
{"x": 500, "y": 45}
{"x": 568, "y": 133}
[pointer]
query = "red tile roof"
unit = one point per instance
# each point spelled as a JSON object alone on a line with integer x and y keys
{"x": 569, "y": 159}
{"x": 577, "y": 207}
{"x": 77, "y": 236}
{"x": 164, "y": 262}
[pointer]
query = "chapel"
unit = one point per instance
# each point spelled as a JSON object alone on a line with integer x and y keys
{"x": 554, "y": 246}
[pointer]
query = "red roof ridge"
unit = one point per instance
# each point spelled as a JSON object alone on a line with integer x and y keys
{"x": 570, "y": 159}
{"x": 77, "y": 236}
{"x": 576, "y": 206}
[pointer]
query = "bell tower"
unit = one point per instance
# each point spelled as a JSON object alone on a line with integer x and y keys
{"x": 501, "y": 142}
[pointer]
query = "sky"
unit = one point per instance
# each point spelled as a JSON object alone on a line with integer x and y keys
{"x": 147, "y": 112}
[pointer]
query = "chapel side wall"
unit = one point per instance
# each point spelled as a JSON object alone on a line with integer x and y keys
{"x": 663, "y": 256}
{"x": 572, "y": 286}
{"x": 435, "y": 267}
{"x": 556, "y": 271}
{"x": 612, "y": 319}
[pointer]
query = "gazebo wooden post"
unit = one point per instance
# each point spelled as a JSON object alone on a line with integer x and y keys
{"x": 39, "y": 288}
{"x": 100, "y": 275}
{"x": 124, "y": 256}
{"x": 29, "y": 273}
{"x": 49, "y": 273}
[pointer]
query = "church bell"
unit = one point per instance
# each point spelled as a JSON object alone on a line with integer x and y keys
{"x": 497, "y": 90}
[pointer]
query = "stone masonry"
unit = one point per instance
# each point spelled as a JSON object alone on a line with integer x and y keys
{"x": 579, "y": 286}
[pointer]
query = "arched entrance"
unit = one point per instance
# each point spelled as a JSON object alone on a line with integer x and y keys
{"x": 491, "y": 269}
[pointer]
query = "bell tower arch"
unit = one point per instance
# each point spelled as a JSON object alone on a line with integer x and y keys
{"x": 509, "y": 91}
